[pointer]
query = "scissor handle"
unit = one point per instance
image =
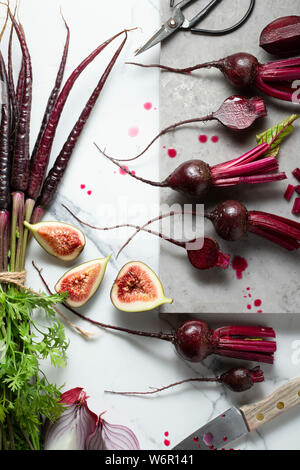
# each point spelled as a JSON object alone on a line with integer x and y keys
{"x": 221, "y": 32}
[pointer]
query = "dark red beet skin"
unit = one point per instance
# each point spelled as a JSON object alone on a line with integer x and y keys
{"x": 240, "y": 69}
{"x": 230, "y": 220}
{"x": 192, "y": 178}
{"x": 282, "y": 36}
{"x": 193, "y": 340}
{"x": 241, "y": 379}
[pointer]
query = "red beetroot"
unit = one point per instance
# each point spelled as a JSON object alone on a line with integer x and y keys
{"x": 296, "y": 173}
{"x": 289, "y": 192}
{"x": 195, "y": 178}
{"x": 282, "y": 36}
{"x": 237, "y": 113}
{"x": 237, "y": 380}
{"x": 203, "y": 253}
{"x": 243, "y": 70}
{"x": 194, "y": 340}
{"x": 296, "y": 207}
{"x": 232, "y": 220}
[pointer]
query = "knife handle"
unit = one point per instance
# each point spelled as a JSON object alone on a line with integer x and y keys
{"x": 283, "y": 399}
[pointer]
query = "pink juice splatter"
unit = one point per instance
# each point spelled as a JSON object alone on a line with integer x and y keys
{"x": 203, "y": 139}
{"x": 215, "y": 139}
{"x": 172, "y": 153}
{"x": 257, "y": 303}
{"x": 240, "y": 265}
{"x": 167, "y": 442}
{"x": 148, "y": 106}
{"x": 133, "y": 131}
{"x": 82, "y": 186}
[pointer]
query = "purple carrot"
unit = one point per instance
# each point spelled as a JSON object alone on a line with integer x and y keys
{"x": 11, "y": 84}
{"x": 54, "y": 93}
{"x": 56, "y": 173}
{"x": 4, "y": 166}
{"x": 20, "y": 85}
{"x": 40, "y": 163}
{"x": 243, "y": 70}
{"x": 237, "y": 380}
{"x": 237, "y": 113}
{"x": 194, "y": 340}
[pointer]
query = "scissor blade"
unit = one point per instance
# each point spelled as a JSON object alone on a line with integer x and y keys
{"x": 164, "y": 32}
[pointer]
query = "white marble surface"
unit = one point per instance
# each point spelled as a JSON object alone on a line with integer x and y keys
{"x": 116, "y": 361}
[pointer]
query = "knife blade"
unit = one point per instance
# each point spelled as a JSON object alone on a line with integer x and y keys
{"x": 237, "y": 422}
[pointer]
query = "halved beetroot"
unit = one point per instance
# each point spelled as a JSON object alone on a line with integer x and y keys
{"x": 82, "y": 282}
{"x": 137, "y": 289}
{"x": 59, "y": 239}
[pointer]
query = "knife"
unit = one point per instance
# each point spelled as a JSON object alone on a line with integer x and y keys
{"x": 237, "y": 422}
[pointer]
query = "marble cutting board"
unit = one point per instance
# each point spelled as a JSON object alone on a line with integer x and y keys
{"x": 272, "y": 276}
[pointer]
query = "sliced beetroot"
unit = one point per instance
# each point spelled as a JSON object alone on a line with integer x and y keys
{"x": 289, "y": 192}
{"x": 82, "y": 282}
{"x": 59, "y": 239}
{"x": 282, "y": 36}
{"x": 297, "y": 189}
{"x": 296, "y": 208}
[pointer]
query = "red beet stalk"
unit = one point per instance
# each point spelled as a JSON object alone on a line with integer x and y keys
{"x": 243, "y": 70}
{"x": 296, "y": 207}
{"x": 296, "y": 173}
{"x": 237, "y": 380}
{"x": 289, "y": 192}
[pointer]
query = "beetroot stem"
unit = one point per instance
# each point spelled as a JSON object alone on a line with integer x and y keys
{"x": 206, "y": 65}
{"x": 163, "y": 336}
{"x": 209, "y": 117}
{"x": 156, "y": 390}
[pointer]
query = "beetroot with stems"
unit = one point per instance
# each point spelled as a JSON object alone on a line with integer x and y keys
{"x": 237, "y": 113}
{"x": 237, "y": 380}
{"x": 194, "y": 340}
{"x": 243, "y": 70}
{"x": 203, "y": 253}
{"x": 232, "y": 221}
{"x": 195, "y": 177}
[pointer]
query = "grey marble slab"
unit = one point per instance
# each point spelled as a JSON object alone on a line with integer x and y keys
{"x": 272, "y": 274}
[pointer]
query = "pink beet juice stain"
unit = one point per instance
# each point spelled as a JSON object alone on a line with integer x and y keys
{"x": 172, "y": 153}
{"x": 82, "y": 186}
{"x": 208, "y": 439}
{"x": 257, "y": 302}
{"x": 215, "y": 139}
{"x": 133, "y": 131}
{"x": 240, "y": 265}
{"x": 249, "y": 307}
{"x": 148, "y": 106}
{"x": 89, "y": 192}
{"x": 167, "y": 442}
{"x": 203, "y": 139}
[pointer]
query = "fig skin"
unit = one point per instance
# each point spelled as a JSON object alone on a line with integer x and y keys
{"x": 193, "y": 340}
{"x": 281, "y": 37}
{"x": 192, "y": 178}
{"x": 230, "y": 219}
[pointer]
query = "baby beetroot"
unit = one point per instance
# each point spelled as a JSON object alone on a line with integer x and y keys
{"x": 195, "y": 178}
{"x": 194, "y": 340}
{"x": 237, "y": 380}
{"x": 243, "y": 70}
{"x": 232, "y": 220}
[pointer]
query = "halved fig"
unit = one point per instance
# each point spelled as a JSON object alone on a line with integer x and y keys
{"x": 82, "y": 282}
{"x": 59, "y": 239}
{"x": 137, "y": 289}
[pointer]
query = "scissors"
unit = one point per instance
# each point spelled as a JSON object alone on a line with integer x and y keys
{"x": 179, "y": 21}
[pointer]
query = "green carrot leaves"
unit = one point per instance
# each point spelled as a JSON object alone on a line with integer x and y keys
{"x": 276, "y": 134}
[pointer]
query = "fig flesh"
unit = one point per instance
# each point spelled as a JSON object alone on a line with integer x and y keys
{"x": 82, "y": 282}
{"x": 59, "y": 239}
{"x": 137, "y": 289}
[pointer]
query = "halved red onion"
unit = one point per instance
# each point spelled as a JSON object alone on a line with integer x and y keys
{"x": 112, "y": 437}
